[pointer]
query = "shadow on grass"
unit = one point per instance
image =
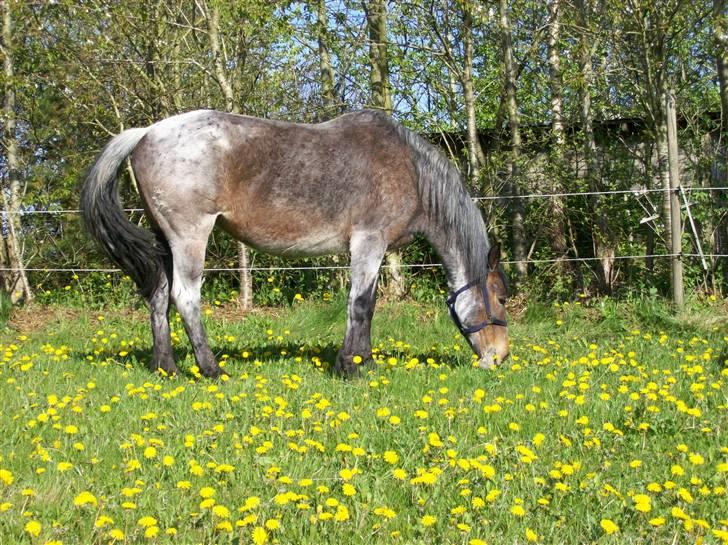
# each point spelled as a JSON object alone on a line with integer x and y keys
{"x": 269, "y": 353}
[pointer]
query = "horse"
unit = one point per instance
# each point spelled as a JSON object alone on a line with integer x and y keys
{"x": 361, "y": 183}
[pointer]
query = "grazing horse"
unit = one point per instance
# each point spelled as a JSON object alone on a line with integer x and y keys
{"x": 360, "y": 183}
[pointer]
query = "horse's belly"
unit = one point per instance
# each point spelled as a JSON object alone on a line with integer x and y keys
{"x": 289, "y": 239}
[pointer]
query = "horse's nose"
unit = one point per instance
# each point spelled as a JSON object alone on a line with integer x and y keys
{"x": 493, "y": 357}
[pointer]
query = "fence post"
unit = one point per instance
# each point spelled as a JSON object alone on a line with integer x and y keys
{"x": 678, "y": 292}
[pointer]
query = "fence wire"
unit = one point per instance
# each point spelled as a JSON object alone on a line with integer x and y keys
{"x": 634, "y": 192}
{"x": 346, "y": 267}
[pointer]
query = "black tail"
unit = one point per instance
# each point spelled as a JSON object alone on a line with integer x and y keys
{"x": 135, "y": 250}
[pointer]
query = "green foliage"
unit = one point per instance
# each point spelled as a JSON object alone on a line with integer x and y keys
{"x": 84, "y": 71}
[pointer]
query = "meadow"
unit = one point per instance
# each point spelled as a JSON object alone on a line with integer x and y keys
{"x": 606, "y": 425}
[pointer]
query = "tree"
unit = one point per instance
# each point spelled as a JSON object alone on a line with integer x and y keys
{"x": 518, "y": 211}
{"x": 15, "y": 282}
{"x": 212, "y": 17}
{"x": 381, "y": 96}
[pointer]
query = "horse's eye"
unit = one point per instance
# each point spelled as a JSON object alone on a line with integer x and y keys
{"x": 502, "y": 300}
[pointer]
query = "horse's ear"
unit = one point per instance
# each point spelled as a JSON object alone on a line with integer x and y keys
{"x": 494, "y": 255}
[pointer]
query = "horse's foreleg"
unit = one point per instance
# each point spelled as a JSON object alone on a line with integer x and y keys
{"x": 163, "y": 355}
{"x": 189, "y": 260}
{"x": 367, "y": 252}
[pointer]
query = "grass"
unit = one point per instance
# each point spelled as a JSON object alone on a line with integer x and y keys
{"x": 605, "y": 426}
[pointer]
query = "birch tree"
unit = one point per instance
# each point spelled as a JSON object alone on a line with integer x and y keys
{"x": 15, "y": 281}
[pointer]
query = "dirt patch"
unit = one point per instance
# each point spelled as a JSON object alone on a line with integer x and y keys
{"x": 34, "y": 317}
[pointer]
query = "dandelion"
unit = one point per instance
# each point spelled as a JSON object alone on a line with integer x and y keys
{"x": 221, "y": 511}
{"x": 207, "y": 492}
{"x": 642, "y": 503}
{"x": 85, "y": 498}
{"x": 428, "y": 520}
{"x": 103, "y": 521}
{"x": 273, "y": 524}
{"x": 33, "y": 528}
{"x": 6, "y": 477}
{"x": 391, "y": 457}
{"x": 518, "y": 510}
{"x": 147, "y": 522}
{"x": 348, "y": 489}
{"x": 609, "y": 526}
{"x": 260, "y": 535}
{"x": 117, "y": 534}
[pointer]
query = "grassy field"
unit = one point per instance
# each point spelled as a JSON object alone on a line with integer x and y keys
{"x": 607, "y": 425}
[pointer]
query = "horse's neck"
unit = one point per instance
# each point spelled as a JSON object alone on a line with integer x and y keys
{"x": 454, "y": 255}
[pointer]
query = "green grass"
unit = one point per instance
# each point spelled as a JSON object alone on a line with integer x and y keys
{"x": 600, "y": 406}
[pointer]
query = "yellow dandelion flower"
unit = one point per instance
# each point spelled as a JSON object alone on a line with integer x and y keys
{"x": 428, "y": 520}
{"x": 224, "y": 526}
{"x": 117, "y": 534}
{"x": 147, "y": 522}
{"x": 103, "y": 521}
{"x": 609, "y": 526}
{"x": 207, "y": 492}
{"x": 518, "y": 510}
{"x": 85, "y": 498}
{"x": 260, "y": 535}
{"x": 221, "y": 511}
{"x": 342, "y": 513}
{"x": 6, "y": 477}
{"x": 348, "y": 489}
{"x": 33, "y": 527}
{"x": 151, "y": 532}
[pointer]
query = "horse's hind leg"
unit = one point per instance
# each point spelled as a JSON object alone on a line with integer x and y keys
{"x": 367, "y": 252}
{"x": 163, "y": 355}
{"x": 188, "y": 256}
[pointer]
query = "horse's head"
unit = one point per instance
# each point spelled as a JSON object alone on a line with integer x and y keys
{"x": 479, "y": 311}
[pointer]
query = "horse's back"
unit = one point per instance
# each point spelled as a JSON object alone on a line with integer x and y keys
{"x": 282, "y": 187}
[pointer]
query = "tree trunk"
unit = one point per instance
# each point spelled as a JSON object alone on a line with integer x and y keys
{"x": 604, "y": 246}
{"x": 212, "y": 16}
{"x": 376, "y": 11}
{"x": 476, "y": 157}
{"x": 17, "y": 280}
{"x": 558, "y": 213}
{"x": 381, "y": 98}
{"x": 720, "y": 170}
{"x": 325, "y": 67}
{"x": 518, "y": 209}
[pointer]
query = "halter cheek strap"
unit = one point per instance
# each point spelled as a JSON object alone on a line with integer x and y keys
{"x": 489, "y": 320}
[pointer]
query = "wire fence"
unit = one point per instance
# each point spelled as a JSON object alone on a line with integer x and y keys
{"x": 346, "y": 267}
{"x": 636, "y": 192}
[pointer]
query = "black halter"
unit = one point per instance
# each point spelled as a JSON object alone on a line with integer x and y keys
{"x": 489, "y": 320}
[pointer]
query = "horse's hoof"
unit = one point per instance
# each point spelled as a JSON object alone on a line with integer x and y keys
{"x": 213, "y": 372}
{"x": 166, "y": 370}
{"x": 350, "y": 366}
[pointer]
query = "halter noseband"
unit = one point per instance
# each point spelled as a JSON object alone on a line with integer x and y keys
{"x": 489, "y": 320}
